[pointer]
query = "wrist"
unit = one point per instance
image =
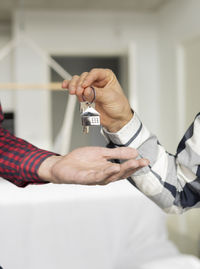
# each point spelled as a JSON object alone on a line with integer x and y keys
{"x": 118, "y": 124}
{"x": 45, "y": 169}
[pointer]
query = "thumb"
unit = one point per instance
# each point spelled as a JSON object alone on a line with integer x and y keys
{"x": 92, "y": 94}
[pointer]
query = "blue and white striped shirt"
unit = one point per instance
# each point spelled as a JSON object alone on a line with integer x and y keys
{"x": 171, "y": 181}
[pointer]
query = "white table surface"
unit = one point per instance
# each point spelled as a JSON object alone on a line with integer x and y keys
{"x": 80, "y": 227}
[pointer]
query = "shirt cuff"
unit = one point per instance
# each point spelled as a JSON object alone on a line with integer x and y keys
{"x": 30, "y": 165}
{"x": 126, "y": 135}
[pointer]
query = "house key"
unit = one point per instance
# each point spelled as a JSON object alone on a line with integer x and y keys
{"x": 89, "y": 115}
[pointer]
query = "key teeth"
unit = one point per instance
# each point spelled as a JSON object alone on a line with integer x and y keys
{"x": 85, "y": 129}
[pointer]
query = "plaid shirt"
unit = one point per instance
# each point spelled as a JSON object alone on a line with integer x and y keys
{"x": 19, "y": 160}
{"x": 171, "y": 181}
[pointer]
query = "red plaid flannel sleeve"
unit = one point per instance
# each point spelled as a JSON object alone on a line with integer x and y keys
{"x": 19, "y": 160}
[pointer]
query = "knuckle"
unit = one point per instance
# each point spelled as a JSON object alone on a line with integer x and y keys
{"x": 94, "y": 70}
{"x": 110, "y": 73}
{"x": 84, "y": 74}
{"x": 109, "y": 70}
{"x": 74, "y": 79}
{"x": 72, "y": 84}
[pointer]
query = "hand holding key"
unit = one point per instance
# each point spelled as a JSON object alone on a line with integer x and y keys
{"x": 111, "y": 102}
{"x": 115, "y": 112}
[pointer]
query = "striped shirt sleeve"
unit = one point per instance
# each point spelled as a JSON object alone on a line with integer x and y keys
{"x": 171, "y": 181}
{"x": 19, "y": 160}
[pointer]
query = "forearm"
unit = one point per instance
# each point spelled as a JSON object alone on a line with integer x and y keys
{"x": 20, "y": 160}
{"x": 165, "y": 180}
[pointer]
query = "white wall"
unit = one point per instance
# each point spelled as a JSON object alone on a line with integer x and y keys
{"x": 32, "y": 107}
{"x": 22, "y": 65}
{"x": 178, "y": 22}
{"x": 6, "y": 97}
{"x": 192, "y": 77}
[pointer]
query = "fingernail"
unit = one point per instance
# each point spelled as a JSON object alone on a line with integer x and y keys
{"x": 84, "y": 84}
{"x": 72, "y": 90}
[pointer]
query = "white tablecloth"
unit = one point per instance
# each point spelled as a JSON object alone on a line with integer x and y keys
{"x": 80, "y": 227}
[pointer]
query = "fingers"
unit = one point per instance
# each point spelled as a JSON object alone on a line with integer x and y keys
{"x": 97, "y": 77}
{"x": 80, "y": 89}
{"x": 122, "y": 153}
{"x": 74, "y": 85}
{"x": 65, "y": 84}
{"x": 131, "y": 166}
{"x": 127, "y": 169}
{"x": 89, "y": 94}
{"x": 100, "y": 177}
{"x": 71, "y": 85}
{"x": 114, "y": 172}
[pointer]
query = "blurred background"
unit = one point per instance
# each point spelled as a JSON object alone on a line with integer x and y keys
{"x": 153, "y": 46}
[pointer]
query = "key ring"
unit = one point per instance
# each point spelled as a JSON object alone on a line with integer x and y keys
{"x": 94, "y": 92}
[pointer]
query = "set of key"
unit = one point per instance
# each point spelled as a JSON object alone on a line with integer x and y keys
{"x": 89, "y": 116}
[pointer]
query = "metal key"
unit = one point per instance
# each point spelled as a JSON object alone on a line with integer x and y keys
{"x": 83, "y": 106}
{"x": 89, "y": 116}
